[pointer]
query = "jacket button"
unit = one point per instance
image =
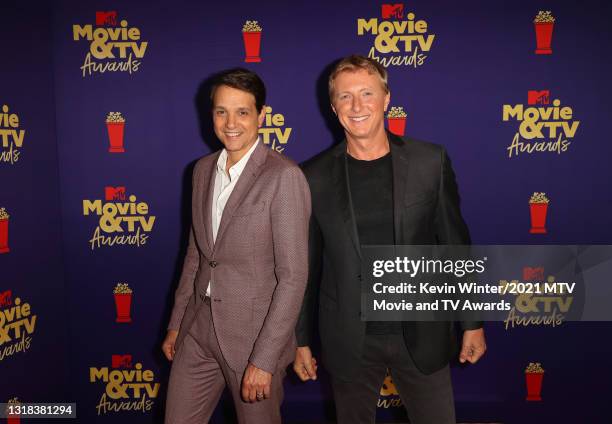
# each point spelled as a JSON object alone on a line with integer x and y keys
{"x": 359, "y": 277}
{"x": 213, "y": 264}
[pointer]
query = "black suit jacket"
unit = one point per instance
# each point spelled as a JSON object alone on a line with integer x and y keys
{"x": 426, "y": 211}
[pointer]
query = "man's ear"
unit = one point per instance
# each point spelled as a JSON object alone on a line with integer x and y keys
{"x": 387, "y": 100}
{"x": 334, "y": 110}
{"x": 262, "y": 116}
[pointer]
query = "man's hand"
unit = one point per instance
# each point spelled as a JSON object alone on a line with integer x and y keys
{"x": 168, "y": 344}
{"x": 473, "y": 346}
{"x": 256, "y": 384}
{"x": 305, "y": 366}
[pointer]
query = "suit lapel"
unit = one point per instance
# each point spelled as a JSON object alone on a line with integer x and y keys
{"x": 202, "y": 203}
{"x": 399, "y": 163}
{"x": 208, "y": 201}
{"x": 406, "y": 180}
{"x": 343, "y": 195}
{"x": 251, "y": 170}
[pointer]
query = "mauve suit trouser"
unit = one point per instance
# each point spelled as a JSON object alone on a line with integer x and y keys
{"x": 199, "y": 374}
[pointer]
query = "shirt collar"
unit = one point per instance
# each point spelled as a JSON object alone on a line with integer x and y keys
{"x": 238, "y": 167}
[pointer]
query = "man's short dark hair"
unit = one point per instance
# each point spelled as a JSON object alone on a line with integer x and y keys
{"x": 241, "y": 79}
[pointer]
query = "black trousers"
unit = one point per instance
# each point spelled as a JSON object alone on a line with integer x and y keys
{"x": 428, "y": 398}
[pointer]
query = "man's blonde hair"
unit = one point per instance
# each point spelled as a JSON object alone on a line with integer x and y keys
{"x": 354, "y": 63}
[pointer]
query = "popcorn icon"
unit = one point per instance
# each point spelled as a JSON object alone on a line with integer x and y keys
{"x": 4, "y": 229}
{"x": 538, "y": 209}
{"x": 388, "y": 387}
{"x": 251, "y": 35}
{"x": 396, "y": 120}
{"x": 123, "y": 302}
{"x": 115, "y": 125}
{"x": 544, "y": 23}
{"x": 534, "y": 375}
{"x": 12, "y": 418}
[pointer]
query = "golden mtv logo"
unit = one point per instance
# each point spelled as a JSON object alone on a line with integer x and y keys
{"x": 114, "y": 45}
{"x": 122, "y": 219}
{"x": 11, "y": 136}
{"x": 540, "y": 300}
{"x": 543, "y": 125}
{"x": 399, "y": 38}
{"x": 127, "y": 386}
{"x": 17, "y": 325}
{"x": 274, "y": 133}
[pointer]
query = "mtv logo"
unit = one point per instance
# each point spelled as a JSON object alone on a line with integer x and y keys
{"x": 538, "y": 97}
{"x": 392, "y": 11}
{"x": 6, "y": 298}
{"x": 106, "y": 18}
{"x": 114, "y": 193}
{"x": 121, "y": 361}
{"x": 531, "y": 274}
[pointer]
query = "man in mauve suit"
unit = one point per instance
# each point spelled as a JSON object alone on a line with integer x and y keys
{"x": 245, "y": 270}
{"x": 376, "y": 188}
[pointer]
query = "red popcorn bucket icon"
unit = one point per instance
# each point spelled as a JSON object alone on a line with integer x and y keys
{"x": 538, "y": 217}
{"x": 11, "y": 417}
{"x": 544, "y": 32}
{"x": 397, "y": 125}
{"x": 4, "y": 227}
{"x": 123, "y": 304}
{"x": 252, "y": 46}
{"x": 534, "y": 385}
{"x": 115, "y": 136}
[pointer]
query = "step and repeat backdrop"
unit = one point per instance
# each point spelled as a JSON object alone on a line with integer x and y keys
{"x": 104, "y": 112}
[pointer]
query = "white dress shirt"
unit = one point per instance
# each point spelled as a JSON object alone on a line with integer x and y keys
{"x": 224, "y": 185}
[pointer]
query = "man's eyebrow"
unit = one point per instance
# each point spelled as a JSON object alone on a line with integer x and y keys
{"x": 360, "y": 90}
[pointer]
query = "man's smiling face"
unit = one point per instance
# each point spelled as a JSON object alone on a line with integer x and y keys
{"x": 360, "y": 101}
{"x": 235, "y": 118}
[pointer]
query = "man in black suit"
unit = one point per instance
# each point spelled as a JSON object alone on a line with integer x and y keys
{"x": 375, "y": 188}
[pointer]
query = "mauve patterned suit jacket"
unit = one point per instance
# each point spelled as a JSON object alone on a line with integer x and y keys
{"x": 258, "y": 265}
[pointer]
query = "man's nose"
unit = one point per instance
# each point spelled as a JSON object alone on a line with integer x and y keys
{"x": 231, "y": 121}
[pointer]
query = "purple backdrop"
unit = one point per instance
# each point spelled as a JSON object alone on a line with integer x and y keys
{"x": 482, "y": 57}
